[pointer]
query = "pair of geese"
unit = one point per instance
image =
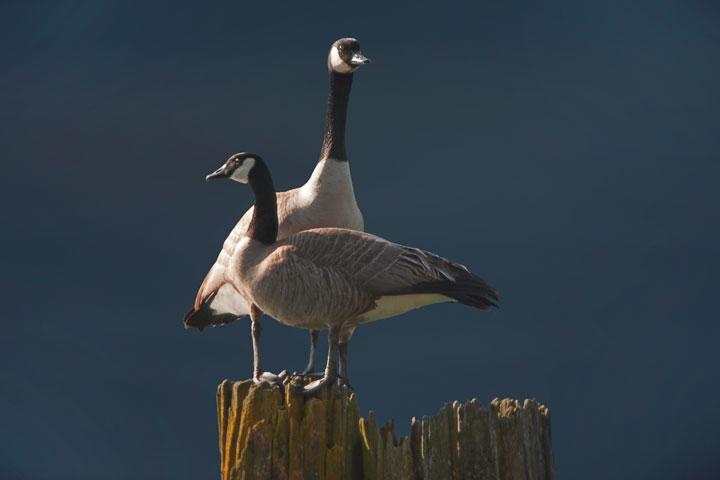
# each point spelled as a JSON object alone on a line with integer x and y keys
{"x": 301, "y": 256}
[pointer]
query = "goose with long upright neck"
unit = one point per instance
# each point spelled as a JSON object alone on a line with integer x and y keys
{"x": 326, "y": 200}
{"x": 333, "y": 278}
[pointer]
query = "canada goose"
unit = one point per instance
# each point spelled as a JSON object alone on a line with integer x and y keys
{"x": 333, "y": 278}
{"x": 326, "y": 200}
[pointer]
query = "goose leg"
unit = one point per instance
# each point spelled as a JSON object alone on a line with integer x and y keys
{"x": 345, "y": 335}
{"x": 331, "y": 369}
{"x": 313, "y": 343}
{"x": 258, "y": 375}
{"x": 342, "y": 352}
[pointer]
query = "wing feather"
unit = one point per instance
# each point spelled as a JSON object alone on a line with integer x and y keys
{"x": 379, "y": 268}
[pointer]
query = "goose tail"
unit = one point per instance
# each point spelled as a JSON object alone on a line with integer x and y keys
{"x": 451, "y": 280}
{"x": 463, "y": 287}
{"x": 203, "y": 316}
{"x": 472, "y": 291}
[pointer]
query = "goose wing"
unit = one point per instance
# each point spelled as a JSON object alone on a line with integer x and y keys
{"x": 216, "y": 303}
{"x": 380, "y": 268}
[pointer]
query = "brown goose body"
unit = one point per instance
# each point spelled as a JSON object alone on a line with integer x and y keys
{"x": 333, "y": 277}
{"x": 326, "y": 200}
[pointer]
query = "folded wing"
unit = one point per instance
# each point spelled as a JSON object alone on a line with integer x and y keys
{"x": 381, "y": 268}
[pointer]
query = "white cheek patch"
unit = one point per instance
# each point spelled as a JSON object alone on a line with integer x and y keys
{"x": 338, "y": 64}
{"x": 241, "y": 173}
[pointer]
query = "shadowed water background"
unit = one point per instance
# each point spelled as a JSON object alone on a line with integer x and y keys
{"x": 567, "y": 153}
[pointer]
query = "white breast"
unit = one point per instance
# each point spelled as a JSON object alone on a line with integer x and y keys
{"x": 326, "y": 200}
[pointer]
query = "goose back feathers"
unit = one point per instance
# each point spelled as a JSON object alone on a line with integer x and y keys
{"x": 324, "y": 277}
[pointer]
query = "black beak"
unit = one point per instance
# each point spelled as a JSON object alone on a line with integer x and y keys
{"x": 219, "y": 173}
{"x": 359, "y": 59}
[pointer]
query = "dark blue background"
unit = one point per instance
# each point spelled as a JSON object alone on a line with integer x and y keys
{"x": 566, "y": 152}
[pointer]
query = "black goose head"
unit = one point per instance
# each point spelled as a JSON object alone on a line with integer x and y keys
{"x": 238, "y": 167}
{"x": 251, "y": 169}
{"x": 345, "y": 56}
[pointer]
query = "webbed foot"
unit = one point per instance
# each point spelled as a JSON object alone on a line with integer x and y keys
{"x": 331, "y": 373}
{"x": 270, "y": 378}
{"x": 344, "y": 384}
{"x": 317, "y": 385}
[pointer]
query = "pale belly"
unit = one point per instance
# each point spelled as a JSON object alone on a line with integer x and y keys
{"x": 394, "y": 305}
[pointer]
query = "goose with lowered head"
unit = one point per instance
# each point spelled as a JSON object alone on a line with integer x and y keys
{"x": 333, "y": 278}
{"x": 326, "y": 200}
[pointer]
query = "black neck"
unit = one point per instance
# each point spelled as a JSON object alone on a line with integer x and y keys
{"x": 264, "y": 224}
{"x": 334, "y": 142}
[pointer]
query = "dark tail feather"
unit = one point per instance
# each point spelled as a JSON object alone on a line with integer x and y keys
{"x": 472, "y": 291}
{"x": 204, "y": 316}
{"x": 467, "y": 289}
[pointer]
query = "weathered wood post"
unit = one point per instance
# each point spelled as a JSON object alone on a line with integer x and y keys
{"x": 270, "y": 433}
